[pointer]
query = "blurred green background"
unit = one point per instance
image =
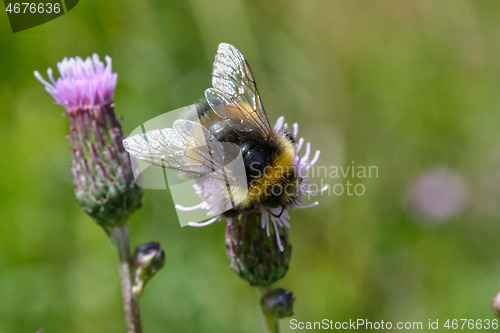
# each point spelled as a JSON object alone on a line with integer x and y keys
{"x": 406, "y": 86}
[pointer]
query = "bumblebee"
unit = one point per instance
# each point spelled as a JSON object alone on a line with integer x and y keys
{"x": 229, "y": 122}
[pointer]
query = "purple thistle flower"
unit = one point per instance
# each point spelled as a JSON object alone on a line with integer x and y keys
{"x": 272, "y": 219}
{"x": 83, "y": 83}
{"x": 101, "y": 170}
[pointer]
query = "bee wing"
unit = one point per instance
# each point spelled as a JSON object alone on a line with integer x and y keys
{"x": 234, "y": 96}
{"x": 187, "y": 146}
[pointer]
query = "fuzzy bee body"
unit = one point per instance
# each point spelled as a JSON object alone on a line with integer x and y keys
{"x": 231, "y": 120}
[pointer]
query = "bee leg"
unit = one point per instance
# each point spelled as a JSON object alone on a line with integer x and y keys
{"x": 279, "y": 215}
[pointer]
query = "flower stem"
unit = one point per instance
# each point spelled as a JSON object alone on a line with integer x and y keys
{"x": 120, "y": 239}
{"x": 270, "y": 321}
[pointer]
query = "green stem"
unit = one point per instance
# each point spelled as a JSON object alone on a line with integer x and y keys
{"x": 120, "y": 239}
{"x": 270, "y": 321}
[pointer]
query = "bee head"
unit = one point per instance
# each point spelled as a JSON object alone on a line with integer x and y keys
{"x": 272, "y": 175}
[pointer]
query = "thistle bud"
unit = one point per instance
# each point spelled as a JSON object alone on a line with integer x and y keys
{"x": 102, "y": 175}
{"x": 148, "y": 259}
{"x": 495, "y": 304}
{"x": 278, "y": 303}
{"x": 254, "y": 254}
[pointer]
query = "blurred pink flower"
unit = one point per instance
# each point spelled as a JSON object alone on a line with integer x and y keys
{"x": 438, "y": 194}
{"x": 495, "y": 304}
